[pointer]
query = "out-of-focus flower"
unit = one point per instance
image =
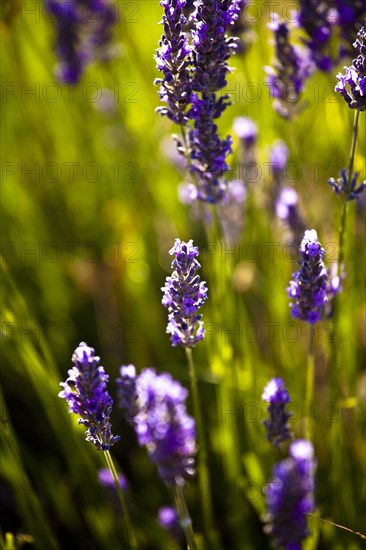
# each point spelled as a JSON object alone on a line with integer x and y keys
{"x": 293, "y": 65}
{"x": 290, "y": 496}
{"x": 276, "y": 394}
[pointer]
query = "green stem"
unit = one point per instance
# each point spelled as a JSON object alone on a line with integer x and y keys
{"x": 309, "y": 389}
{"x": 129, "y": 529}
{"x": 343, "y": 221}
{"x": 185, "y": 519}
{"x": 203, "y": 472}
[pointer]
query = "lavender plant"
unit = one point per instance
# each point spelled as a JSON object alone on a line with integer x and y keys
{"x": 352, "y": 87}
{"x": 287, "y": 210}
{"x": 286, "y": 78}
{"x": 352, "y": 84}
{"x": 308, "y": 286}
{"x": 184, "y": 294}
{"x": 193, "y": 74}
{"x": 276, "y": 394}
{"x": 83, "y": 29}
{"x": 290, "y": 496}
{"x": 308, "y": 292}
{"x": 85, "y": 391}
{"x": 317, "y": 19}
{"x": 163, "y": 426}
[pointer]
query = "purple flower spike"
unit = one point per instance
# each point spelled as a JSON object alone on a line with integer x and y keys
{"x": 85, "y": 391}
{"x": 184, "y": 294}
{"x": 308, "y": 289}
{"x": 290, "y": 496}
{"x": 246, "y": 130}
{"x": 352, "y": 84}
{"x": 275, "y": 393}
{"x": 287, "y": 210}
{"x": 164, "y": 427}
{"x": 293, "y": 65}
{"x": 210, "y": 52}
{"x": 317, "y": 19}
{"x": 173, "y": 61}
{"x": 126, "y": 392}
{"x": 340, "y": 185}
{"x": 83, "y": 34}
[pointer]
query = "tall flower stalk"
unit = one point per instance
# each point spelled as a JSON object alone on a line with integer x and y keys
{"x": 155, "y": 405}
{"x": 308, "y": 292}
{"x": 85, "y": 391}
{"x": 290, "y": 497}
{"x": 184, "y": 294}
{"x": 194, "y": 72}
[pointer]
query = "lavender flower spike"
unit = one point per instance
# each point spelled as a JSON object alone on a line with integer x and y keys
{"x": 211, "y": 50}
{"x": 126, "y": 392}
{"x": 184, "y": 294}
{"x": 83, "y": 34}
{"x": 276, "y": 395}
{"x": 287, "y": 77}
{"x": 355, "y": 77}
{"x": 290, "y": 496}
{"x": 164, "y": 427}
{"x": 309, "y": 285}
{"x": 85, "y": 391}
{"x": 173, "y": 60}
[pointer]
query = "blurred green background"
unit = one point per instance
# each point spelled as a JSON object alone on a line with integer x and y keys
{"x": 90, "y": 211}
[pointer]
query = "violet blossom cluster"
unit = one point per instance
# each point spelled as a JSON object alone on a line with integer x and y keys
{"x": 290, "y": 496}
{"x": 83, "y": 29}
{"x": 194, "y": 73}
{"x": 293, "y": 65}
{"x": 161, "y": 422}
{"x": 340, "y": 185}
{"x": 308, "y": 288}
{"x": 317, "y": 19}
{"x": 184, "y": 294}
{"x": 351, "y": 15}
{"x": 276, "y": 394}
{"x": 85, "y": 391}
{"x": 352, "y": 84}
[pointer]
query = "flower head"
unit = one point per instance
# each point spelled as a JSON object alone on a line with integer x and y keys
{"x": 352, "y": 84}
{"x": 290, "y": 496}
{"x": 105, "y": 479}
{"x": 275, "y": 393}
{"x": 126, "y": 392}
{"x": 184, "y": 294}
{"x": 246, "y": 130}
{"x": 287, "y": 210}
{"x": 340, "y": 185}
{"x": 164, "y": 427}
{"x": 173, "y": 58}
{"x": 293, "y": 65}
{"x": 85, "y": 391}
{"x": 317, "y": 19}
{"x": 168, "y": 517}
{"x": 308, "y": 288}
{"x": 83, "y": 34}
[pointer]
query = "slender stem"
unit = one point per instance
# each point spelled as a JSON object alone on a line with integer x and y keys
{"x": 343, "y": 221}
{"x": 129, "y": 529}
{"x": 309, "y": 390}
{"x": 185, "y": 519}
{"x": 203, "y": 472}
